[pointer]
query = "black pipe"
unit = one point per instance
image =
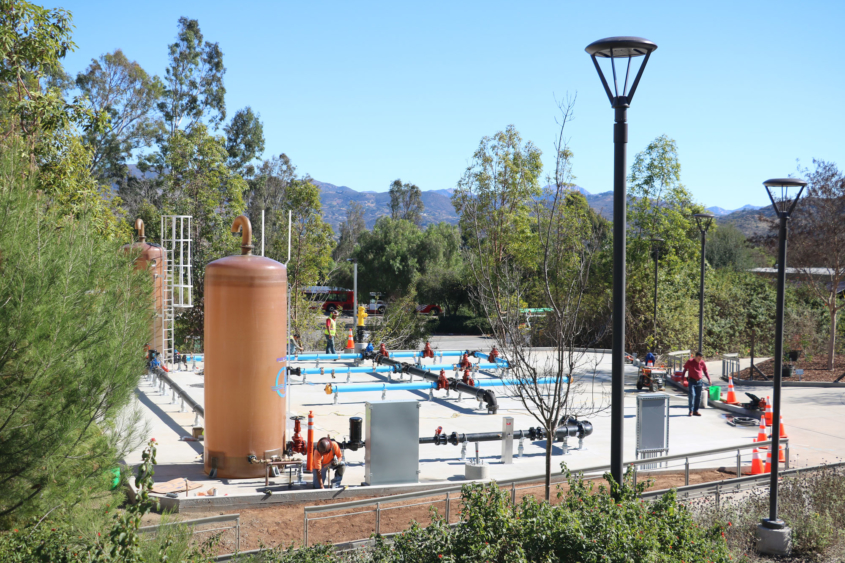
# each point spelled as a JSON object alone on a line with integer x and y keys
{"x": 570, "y": 428}
{"x": 486, "y": 395}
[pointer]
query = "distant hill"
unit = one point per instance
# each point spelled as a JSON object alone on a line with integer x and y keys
{"x": 748, "y": 219}
{"x": 335, "y": 200}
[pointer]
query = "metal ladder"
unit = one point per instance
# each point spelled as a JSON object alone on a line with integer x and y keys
{"x": 178, "y": 287}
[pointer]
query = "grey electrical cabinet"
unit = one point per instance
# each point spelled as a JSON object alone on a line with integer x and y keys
{"x": 652, "y": 426}
{"x": 392, "y": 451}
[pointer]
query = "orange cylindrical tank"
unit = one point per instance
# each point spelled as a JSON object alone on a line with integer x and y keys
{"x": 151, "y": 257}
{"x": 245, "y": 300}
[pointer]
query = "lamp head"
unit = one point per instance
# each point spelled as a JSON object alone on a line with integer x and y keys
{"x": 790, "y": 191}
{"x": 620, "y": 48}
{"x": 704, "y": 221}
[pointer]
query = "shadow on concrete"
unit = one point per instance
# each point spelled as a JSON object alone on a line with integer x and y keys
{"x": 166, "y": 418}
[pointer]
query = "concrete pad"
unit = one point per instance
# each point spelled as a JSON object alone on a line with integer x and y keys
{"x": 809, "y": 416}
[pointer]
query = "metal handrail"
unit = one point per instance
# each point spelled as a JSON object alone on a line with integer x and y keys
{"x": 733, "y": 485}
{"x": 716, "y": 488}
{"x": 200, "y": 522}
{"x": 529, "y": 479}
{"x": 195, "y": 406}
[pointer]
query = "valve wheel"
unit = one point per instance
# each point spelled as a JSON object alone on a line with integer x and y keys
{"x": 297, "y": 417}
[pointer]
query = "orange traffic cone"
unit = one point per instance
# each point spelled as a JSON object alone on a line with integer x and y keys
{"x": 769, "y": 461}
{"x": 761, "y": 434}
{"x": 350, "y": 342}
{"x": 769, "y": 413}
{"x": 781, "y": 456}
{"x": 782, "y": 431}
{"x": 756, "y": 463}
{"x": 731, "y": 400}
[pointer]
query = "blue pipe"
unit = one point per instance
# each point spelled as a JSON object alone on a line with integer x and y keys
{"x": 449, "y": 366}
{"x": 311, "y": 357}
{"x": 364, "y": 387}
{"x": 340, "y": 370}
{"x": 486, "y": 357}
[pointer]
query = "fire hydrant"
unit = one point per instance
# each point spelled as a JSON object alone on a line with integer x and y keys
{"x": 382, "y": 349}
{"x": 427, "y": 351}
{"x": 442, "y": 382}
{"x": 468, "y": 378}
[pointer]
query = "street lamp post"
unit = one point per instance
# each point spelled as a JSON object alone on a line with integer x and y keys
{"x": 354, "y": 287}
{"x": 704, "y": 221}
{"x": 619, "y": 48}
{"x": 655, "y": 252}
{"x": 773, "y": 527}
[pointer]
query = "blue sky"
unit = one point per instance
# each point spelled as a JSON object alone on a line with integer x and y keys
{"x": 362, "y": 93}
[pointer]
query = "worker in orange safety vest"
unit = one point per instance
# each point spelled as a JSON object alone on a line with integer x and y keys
{"x": 327, "y": 455}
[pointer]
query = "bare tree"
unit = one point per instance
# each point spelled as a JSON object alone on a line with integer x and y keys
{"x": 818, "y": 241}
{"x": 549, "y": 266}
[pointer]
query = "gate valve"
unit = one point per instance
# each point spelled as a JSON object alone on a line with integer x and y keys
{"x": 494, "y": 353}
{"x": 465, "y": 361}
{"x": 438, "y": 431}
{"x": 427, "y": 351}
{"x": 468, "y": 379}
{"x": 442, "y": 382}
{"x": 297, "y": 444}
{"x": 382, "y": 349}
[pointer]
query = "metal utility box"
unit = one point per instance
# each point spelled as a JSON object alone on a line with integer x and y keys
{"x": 392, "y": 452}
{"x": 652, "y": 426}
{"x": 507, "y": 439}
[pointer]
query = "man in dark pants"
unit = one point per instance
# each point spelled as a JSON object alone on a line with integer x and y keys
{"x": 695, "y": 367}
{"x": 327, "y": 456}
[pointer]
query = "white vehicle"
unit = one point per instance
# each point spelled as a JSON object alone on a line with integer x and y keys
{"x": 376, "y": 307}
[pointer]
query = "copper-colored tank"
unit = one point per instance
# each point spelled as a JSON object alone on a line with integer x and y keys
{"x": 245, "y": 332}
{"x": 151, "y": 257}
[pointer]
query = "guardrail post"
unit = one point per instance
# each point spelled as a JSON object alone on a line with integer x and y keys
{"x": 305, "y": 540}
{"x": 447, "y": 508}
{"x": 686, "y": 471}
{"x": 513, "y": 496}
{"x": 634, "y": 467}
{"x": 238, "y": 532}
{"x": 718, "y": 495}
{"x": 378, "y": 518}
{"x": 786, "y": 453}
{"x": 738, "y": 463}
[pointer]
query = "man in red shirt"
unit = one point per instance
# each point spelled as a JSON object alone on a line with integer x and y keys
{"x": 695, "y": 367}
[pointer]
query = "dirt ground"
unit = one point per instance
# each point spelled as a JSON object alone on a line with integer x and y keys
{"x": 814, "y": 369}
{"x": 283, "y": 524}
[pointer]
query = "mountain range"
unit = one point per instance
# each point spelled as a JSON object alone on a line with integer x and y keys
{"x": 438, "y": 207}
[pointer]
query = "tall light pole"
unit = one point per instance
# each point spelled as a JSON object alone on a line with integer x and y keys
{"x": 354, "y": 286}
{"x": 655, "y": 252}
{"x": 773, "y": 527}
{"x": 704, "y": 221}
{"x": 619, "y": 48}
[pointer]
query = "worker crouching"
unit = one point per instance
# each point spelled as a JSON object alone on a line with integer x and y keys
{"x": 327, "y": 455}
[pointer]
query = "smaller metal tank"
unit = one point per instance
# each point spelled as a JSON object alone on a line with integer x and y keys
{"x": 245, "y": 301}
{"x": 151, "y": 257}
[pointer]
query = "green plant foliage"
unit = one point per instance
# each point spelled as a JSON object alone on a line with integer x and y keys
{"x": 406, "y": 202}
{"x": 127, "y": 94}
{"x": 193, "y": 82}
{"x": 244, "y": 140}
{"x": 73, "y": 329}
